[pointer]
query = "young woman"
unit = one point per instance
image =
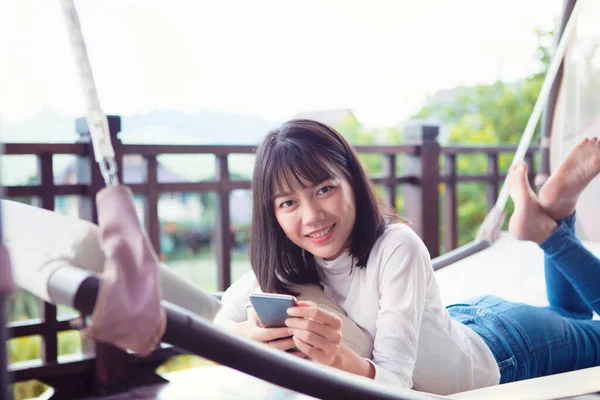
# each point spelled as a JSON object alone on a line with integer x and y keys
{"x": 316, "y": 221}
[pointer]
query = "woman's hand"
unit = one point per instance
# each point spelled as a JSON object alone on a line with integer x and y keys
{"x": 277, "y": 338}
{"x": 317, "y": 333}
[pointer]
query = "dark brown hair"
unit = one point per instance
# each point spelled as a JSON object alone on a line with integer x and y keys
{"x": 303, "y": 150}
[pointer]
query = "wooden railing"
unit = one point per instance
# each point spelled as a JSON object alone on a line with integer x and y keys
{"x": 106, "y": 369}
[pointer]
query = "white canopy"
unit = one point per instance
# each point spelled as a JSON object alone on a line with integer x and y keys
{"x": 577, "y": 113}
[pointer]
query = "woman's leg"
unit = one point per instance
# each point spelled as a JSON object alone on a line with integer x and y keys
{"x": 564, "y": 252}
{"x": 578, "y": 265}
{"x": 530, "y": 342}
{"x": 559, "y": 197}
{"x": 563, "y": 298}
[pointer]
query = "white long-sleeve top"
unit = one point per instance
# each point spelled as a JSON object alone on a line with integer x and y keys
{"x": 396, "y": 301}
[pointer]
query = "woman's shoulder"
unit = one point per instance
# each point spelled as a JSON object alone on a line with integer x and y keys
{"x": 400, "y": 235}
{"x": 399, "y": 246}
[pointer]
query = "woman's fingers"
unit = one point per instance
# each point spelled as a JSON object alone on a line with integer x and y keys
{"x": 315, "y": 313}
{"x": 298, "y": 354}
{"x": 282, "y": 344}
{"x": 268, "y": 334}
{"x": 314, "y": 340}
{"x": 332, "y": 334}
{"x": 317, "y": 332}
{"x": 314, "y": 353}
{"x": 262, "y": 334}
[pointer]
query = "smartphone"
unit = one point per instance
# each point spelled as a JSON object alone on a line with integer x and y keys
{"x": 272, "y": 308}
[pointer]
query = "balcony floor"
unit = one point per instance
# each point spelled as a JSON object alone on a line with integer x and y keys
{"x": 215, "y": 383}
{"x": 221, "y": 383}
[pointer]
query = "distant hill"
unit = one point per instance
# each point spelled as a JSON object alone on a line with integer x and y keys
{"x": 204, "y": 127}
{"x": 168, "y": 126}
{"x": 156, "y": 127}
{"x": 45, "y": 126}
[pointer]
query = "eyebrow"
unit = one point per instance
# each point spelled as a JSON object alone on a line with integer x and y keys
{"x": 284, "y": 194}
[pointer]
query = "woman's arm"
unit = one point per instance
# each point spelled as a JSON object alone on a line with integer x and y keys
{"x": 235, "y": 301}
{"x": 404, "y": 278}
{"x": 318, "y": 335}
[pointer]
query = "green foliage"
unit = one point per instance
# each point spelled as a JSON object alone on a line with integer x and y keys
{"x": 487, "y": 115}
{"x": 374, "y": 164}
{"x": 25, "y": 306}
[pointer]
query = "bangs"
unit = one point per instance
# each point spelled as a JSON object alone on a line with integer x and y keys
{"x": 295, "y": 166}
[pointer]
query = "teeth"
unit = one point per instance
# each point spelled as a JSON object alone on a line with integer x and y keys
{"x": 320, "y": 234}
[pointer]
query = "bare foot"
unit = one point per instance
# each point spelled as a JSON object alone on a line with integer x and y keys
{"x": 529, "y": 220}
{"x": 559, "y": 194}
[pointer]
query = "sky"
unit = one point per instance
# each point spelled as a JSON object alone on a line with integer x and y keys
{"x": 270, "y": 58}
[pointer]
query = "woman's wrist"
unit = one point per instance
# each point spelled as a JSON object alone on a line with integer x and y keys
{"x": 238, "y": 328}
{"x": 350, "y": 361}
{"x": 241, "y": 328}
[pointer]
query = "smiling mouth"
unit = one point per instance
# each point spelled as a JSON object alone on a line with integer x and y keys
{"x": 321, "y": 233}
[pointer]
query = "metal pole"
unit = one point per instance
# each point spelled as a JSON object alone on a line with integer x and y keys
{"x": 548, "y": 115}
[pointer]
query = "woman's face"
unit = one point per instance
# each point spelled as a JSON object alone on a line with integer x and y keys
{"x": 318, "y": 218}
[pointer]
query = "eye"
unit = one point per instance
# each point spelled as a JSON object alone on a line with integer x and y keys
{"x": 287, "y": 204}
{"x": 325, "y": 189}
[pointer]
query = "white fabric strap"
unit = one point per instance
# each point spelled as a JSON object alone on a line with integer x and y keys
{"x": 97, "y": 122}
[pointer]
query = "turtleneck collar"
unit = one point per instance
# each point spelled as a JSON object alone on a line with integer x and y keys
{"x": 341, "y": 264}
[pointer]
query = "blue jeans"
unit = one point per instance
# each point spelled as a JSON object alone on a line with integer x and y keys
{"x": 529, "y": 341}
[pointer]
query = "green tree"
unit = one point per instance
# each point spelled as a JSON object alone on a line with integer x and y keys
{"x": 487, "y": 114}
{"x": 357, "y": 134}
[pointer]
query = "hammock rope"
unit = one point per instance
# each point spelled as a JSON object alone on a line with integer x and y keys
{"x": 97, "y": 121}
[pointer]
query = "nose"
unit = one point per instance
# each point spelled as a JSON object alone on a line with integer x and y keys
{"x": 312, "y": 214}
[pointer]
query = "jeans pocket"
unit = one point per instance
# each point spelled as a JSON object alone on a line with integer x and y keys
{"x": 540, "y": 328}
{"x": 508, "y": 370}
{"x": 464, "y": 319}
{"x": 464, "y": 315}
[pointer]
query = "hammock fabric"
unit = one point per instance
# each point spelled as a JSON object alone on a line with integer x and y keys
{"x": 127, "y": 311}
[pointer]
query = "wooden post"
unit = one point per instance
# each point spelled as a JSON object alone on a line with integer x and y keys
{"x": 152, "y": 221}
{"x": 389, "y": 171}
{"x": 223, "y": 224}
{"x": 48, "y": 311}
{"x": 492, "y": 185}
{"x": 422, "y": 200}
{"x": 451, "y": 204}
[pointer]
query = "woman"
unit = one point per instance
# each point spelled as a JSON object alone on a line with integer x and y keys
{"x": 316, "y": 221}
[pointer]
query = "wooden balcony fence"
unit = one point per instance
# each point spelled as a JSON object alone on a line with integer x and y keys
{"x": 106, "y": 369}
